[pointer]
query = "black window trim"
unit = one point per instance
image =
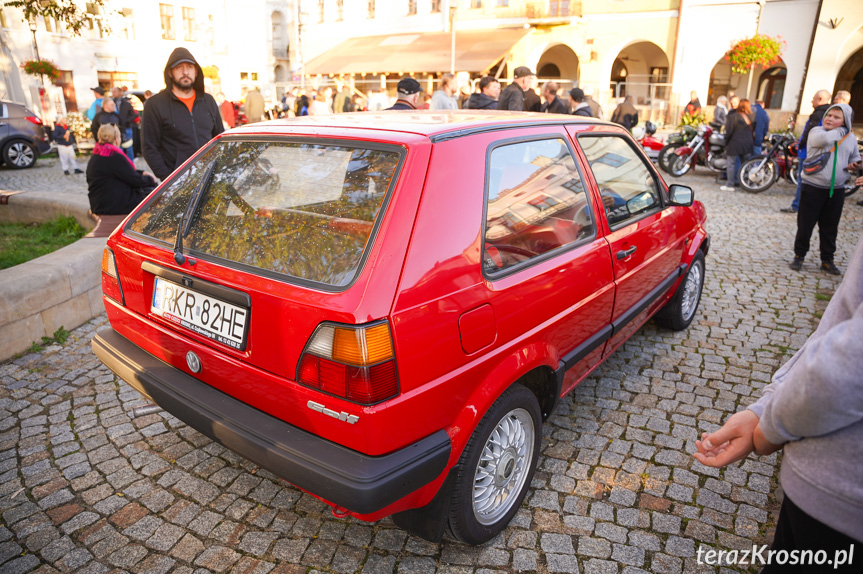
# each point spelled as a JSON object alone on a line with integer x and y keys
{"x": 662, "y": 191}
{"x": 400, "y": 149}
{"x": 523, "y": 265}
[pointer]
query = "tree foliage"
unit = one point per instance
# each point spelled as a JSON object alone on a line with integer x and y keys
{"x": 66, "y": 11}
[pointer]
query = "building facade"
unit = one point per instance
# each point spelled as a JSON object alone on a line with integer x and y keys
{"x": 657, "y": 51}
{"x": 240, "y": 45}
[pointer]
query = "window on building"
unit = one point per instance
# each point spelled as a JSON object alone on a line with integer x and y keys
{"x": 244, "y": 76}
{"x": 371, "y": 6}
{"x": 109, "y": 80}
{"x": 211, "y": 31}
{"x": 64, "y": 81}
{"x": 189, "y": 24}
{"x": 166, "y": 14}
{"x": 659, "y": 76}
{"x": 320, "y": 11}
{"x": 340, "y": 10}
{"x": 476, "y": 3}
{"x": 254, "y": 76}
{"x": 536, "y": 203}
{"x": 502, "y": 3}
{"x": 435, "y": 5}
{"x": 412, "y": 7}
{"x": 771, "y": 87}
{"x": 2, "y": 18}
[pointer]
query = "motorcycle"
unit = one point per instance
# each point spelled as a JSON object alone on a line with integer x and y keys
{"x": 851, "y": 186}
{"x": 674, "y": 141}
{"x": 759, "y": 173}
{"x": 706, "y": 148}
{"x": 645, "y": 138}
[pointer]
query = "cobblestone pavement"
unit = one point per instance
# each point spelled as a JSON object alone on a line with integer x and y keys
{"x": 87, "y": 488}
{"x": 47, "y": 175}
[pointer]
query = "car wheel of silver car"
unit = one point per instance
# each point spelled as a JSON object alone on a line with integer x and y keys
{"x": 19, "y": 154}
{"x": 496, "y": 467}
{"x": 680, "y": 310}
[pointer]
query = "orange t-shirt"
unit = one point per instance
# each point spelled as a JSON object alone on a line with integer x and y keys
{"x": 188, "y": 101}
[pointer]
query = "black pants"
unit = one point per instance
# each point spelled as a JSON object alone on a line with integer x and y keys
{"x": 816, "y": 206}
{"x": 798, "y": 531}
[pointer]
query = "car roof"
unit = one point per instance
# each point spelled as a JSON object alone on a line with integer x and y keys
{"x": 434, "y": 124}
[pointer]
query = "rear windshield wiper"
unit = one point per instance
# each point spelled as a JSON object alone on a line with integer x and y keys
{"x": 183, "y": 228}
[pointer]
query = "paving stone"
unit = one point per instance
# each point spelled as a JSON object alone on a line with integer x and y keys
{"x": 217, "y": 558}
{"x": 524, "y": 560}
{"x": 595, "y": 547}
{"x": 562, "y": 563}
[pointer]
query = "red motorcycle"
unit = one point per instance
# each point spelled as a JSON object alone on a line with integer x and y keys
{"x": 706, "y": 148}
{"x": 650, "y": 144}
{"x": 780, "y": 160}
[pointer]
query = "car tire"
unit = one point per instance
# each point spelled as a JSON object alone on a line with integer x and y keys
{"x": 678, "y": 313}
{"x": 20, "y": 154}
{"x": 496, "y": 468}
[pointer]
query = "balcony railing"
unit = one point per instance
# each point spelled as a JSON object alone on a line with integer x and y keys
{"x": 537, "y": 11}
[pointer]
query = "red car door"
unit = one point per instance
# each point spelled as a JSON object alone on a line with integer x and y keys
{"x": 646, "y": 245}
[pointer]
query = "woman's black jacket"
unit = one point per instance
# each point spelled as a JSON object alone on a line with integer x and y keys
{"x": 114, "y": 187}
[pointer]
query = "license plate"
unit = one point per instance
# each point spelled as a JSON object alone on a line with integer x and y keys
{"x": 202, "y": 314}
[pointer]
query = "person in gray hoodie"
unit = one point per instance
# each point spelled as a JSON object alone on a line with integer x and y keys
{"x": 821, "y": 194}
{"x": 813, "y": 409}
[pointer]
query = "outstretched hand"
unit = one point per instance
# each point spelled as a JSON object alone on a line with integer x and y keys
{"x": 733, "y": 442}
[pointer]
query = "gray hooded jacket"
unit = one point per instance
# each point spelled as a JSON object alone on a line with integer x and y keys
{"x": 815, "y": 407}
{"x": 821, "y": 141}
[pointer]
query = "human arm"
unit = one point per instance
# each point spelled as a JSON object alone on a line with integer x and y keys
{"x": 732, "y": 442}
{"x": 218, "y": 126}
{"x": 823, "y": 138}
{"x": 151, "y": 136}
{"x": 822, "y": 390}
{"x": 121, "y": 169}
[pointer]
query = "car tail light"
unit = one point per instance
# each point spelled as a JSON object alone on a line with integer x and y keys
{"x": 354, "y": 363}
{"x": 34, "y": 120}
{"x": 110, "y": 279}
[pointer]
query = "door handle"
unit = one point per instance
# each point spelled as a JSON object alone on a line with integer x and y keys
{"x": 627, "y": 253}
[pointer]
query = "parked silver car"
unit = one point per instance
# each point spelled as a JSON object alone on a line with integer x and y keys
{"x": 22, "y": 136}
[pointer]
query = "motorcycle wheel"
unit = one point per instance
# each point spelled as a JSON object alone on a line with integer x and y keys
{"x": 666, "y": 155}
{"x": 757, "y": 175}
{"x": 680, "y": 165}
{"x": 850, "y": 188}
{"x": 792, "y": 172}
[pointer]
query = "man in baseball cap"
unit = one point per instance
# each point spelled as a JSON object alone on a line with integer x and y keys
{"x": 408, "y": 91}
{"x": 96, "y": 106}
{"x": 512, "y": 97}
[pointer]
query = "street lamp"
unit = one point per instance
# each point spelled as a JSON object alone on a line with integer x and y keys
{"x": 302, "y": 22}
{"x": 32, "y": 24}
{"x": 452, "y": 10}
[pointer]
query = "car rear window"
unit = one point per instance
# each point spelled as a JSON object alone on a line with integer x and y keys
{"x": 299, "y": 209}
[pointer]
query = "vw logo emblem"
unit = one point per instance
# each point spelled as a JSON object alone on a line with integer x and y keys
{"x": 193, "y": 361}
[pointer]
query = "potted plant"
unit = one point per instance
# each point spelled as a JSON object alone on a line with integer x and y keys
{"x": 761, "y": 50}
{"x": 41, "y": 68}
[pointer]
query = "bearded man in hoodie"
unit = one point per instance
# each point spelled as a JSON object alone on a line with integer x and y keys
{"x": 180, "y": 119}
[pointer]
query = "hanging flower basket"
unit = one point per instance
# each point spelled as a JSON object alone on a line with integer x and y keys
{"x": 758, "y": 50}
{"x": 41, "y": 68}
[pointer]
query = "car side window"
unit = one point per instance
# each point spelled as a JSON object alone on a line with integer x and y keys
{"x": 536, "y": 203}
{"x": 626, "y": 185}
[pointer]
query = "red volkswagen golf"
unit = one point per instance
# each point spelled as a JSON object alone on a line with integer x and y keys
{"x": 382, "y": 308}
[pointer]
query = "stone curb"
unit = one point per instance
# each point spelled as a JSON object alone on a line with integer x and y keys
{"x": 60, "y": 289}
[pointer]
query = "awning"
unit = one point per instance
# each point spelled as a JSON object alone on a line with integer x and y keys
{"x": 475, "y": 51}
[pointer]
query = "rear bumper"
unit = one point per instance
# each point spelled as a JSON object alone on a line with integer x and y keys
{"x": 360, "y": 483}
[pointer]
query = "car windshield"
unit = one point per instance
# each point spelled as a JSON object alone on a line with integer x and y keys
{"x": 300, "y": 209}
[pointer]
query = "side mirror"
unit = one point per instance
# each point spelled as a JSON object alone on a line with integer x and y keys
{"x": 640, "y": 202}
{"x": 680, "y": 195}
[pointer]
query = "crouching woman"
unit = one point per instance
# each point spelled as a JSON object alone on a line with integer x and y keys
{"x": 114, "y": 186}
